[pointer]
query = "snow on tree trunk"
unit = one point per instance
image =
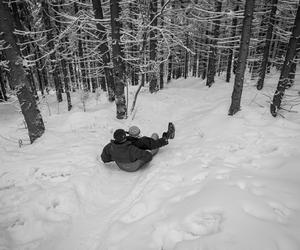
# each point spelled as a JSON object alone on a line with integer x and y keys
{"x": 265, "y": 59}
{"x": 242, "y": 58}
{"x": 19, "y": 80}
{"x": 153, "y": 86}
{"x": 230, "y": 56}
{"x": 81, "y": 44}
{"x": 186, "y": 58}
{"x": 170, "y": 65}
{"x": 104, "y": 51}
{"x": 162, "y": 65}
{"x": 119, "y": 67}
{"x": 211, "y": 71}
{"x": 63, "y": 61}
{"x": 288, "y": 62}
{"x": 55, "y": 70}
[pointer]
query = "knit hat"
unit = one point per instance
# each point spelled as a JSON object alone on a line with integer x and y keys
{"x": 134, "y": 131}
{"x": 120, "y": 135}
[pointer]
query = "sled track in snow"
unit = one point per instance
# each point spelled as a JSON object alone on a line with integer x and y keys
{"x": 143, "y": 182}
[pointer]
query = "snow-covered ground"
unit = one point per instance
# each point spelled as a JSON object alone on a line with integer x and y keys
{"x": 223, "y": 183}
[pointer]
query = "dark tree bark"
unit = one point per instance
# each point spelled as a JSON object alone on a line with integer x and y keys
{"x": 242, "y": 59}
{"x": 72, "y": 75}
{"x": 63, "y": 61}
{"x": 265, "y": 59}
{"x": 186, "y": 58}
{"x": 118, "y": 55}
{"x": 3, "y": 96}
{"x": 161, "y": 66}
{"x": 153, "y": 86}
{"x": 104, "y": 51}
{"x": 54, "y": 66}
{"x": 84, "y": 76}
{"x": 205, "y": 58}
{"x": 41, "y": 69}
{"x": 170, "y": 65}
{"x": 19, "y": 80}
{"x": 19, "y": 11}
{"x": 230, "y": 56}
{"x": 195, "y": 58}
{"x": 286, "y": 69}
{"x": 213, "y": 50}
{"x": 133, "y": 66}
{"x": 292, "y": 74}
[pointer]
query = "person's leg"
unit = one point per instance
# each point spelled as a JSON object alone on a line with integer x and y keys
{"x": 154, "y": 136}
{"x": 132, "y": 166}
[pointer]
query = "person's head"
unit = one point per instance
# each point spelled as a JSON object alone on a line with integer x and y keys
{"x": 134, "y": 131}
{"x": 120, "y": 135}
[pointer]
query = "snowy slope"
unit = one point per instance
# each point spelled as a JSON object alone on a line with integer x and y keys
{"x": 222, "y": 183}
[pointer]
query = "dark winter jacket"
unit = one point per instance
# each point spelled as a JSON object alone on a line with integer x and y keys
{"x": 147, "y": 142}
{"x": 124, "y": 152}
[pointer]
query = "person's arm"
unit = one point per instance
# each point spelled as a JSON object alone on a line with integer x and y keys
{"x": 106, "y": 156}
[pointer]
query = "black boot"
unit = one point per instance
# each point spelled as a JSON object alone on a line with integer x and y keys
{"x": 170, "y": 134}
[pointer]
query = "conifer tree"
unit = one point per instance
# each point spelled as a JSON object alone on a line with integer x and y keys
{"x": 18, "y": 78}
{"x": 288, "y": 62}
{"x": 242, "y": 59}
{"x": 119, "y": 67}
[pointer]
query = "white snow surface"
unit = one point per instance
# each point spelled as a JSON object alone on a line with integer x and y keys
{"x": 224, "y": 182}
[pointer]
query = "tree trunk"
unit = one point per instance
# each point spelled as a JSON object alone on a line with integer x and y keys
{"x": 162, "y": 65}
{"x": 265, "y": 59}
{"x": 153, "y": 86}
{"x": 3, "y": 96}
{"x": 25, "y": 49}
{"x": 288, "y": 62}
{"x": 169, "y": 77}
{"x": 72, "y": 75}
{"x": 292, "y": 74}
{"x": 230, "y": 56}
{"x": 54, "y": 66}
{"x": 213, "y": 50}
{"x": 242, "y": 59}
{"x": 119, "y": 67}
{"x": 186, "y": 58}
{"x": 20, "y": 82}
{"x": 104, "y": 51}
{"x": 82, "y": 66}
{"x": 63, "y": 61}
{"x": 195, "y": 58}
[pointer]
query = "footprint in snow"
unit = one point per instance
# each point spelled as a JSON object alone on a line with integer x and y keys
{"x": 196, "y": 225}
{"x": 272, "y": 211}
{"x": 202, "y": 224}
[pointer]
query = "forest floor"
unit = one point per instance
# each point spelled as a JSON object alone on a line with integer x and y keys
{"x": 224, "y": 182}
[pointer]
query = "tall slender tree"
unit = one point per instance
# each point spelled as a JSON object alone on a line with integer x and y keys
{"x": 211, "y": 71}
{"x": 60, "y": 56}
{"x": 242, "y": 58}
{"x": 18, "y": 77}
{"x": 288, "y": 62}
{"x": 153, "y": 86}
{"x": 118, "y": 55}
{"x": 104, "y": 50}
{"x": 50, "y": 40}
{"x": 266, "y": 51}
{"x": 3, "y": 96}
{"x": 231, "y": 50}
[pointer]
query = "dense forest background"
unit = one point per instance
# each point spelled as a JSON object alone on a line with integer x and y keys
{"x": 107, "y": 45}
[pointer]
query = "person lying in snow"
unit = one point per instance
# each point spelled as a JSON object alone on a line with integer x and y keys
{"x": 132, "y": 152}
